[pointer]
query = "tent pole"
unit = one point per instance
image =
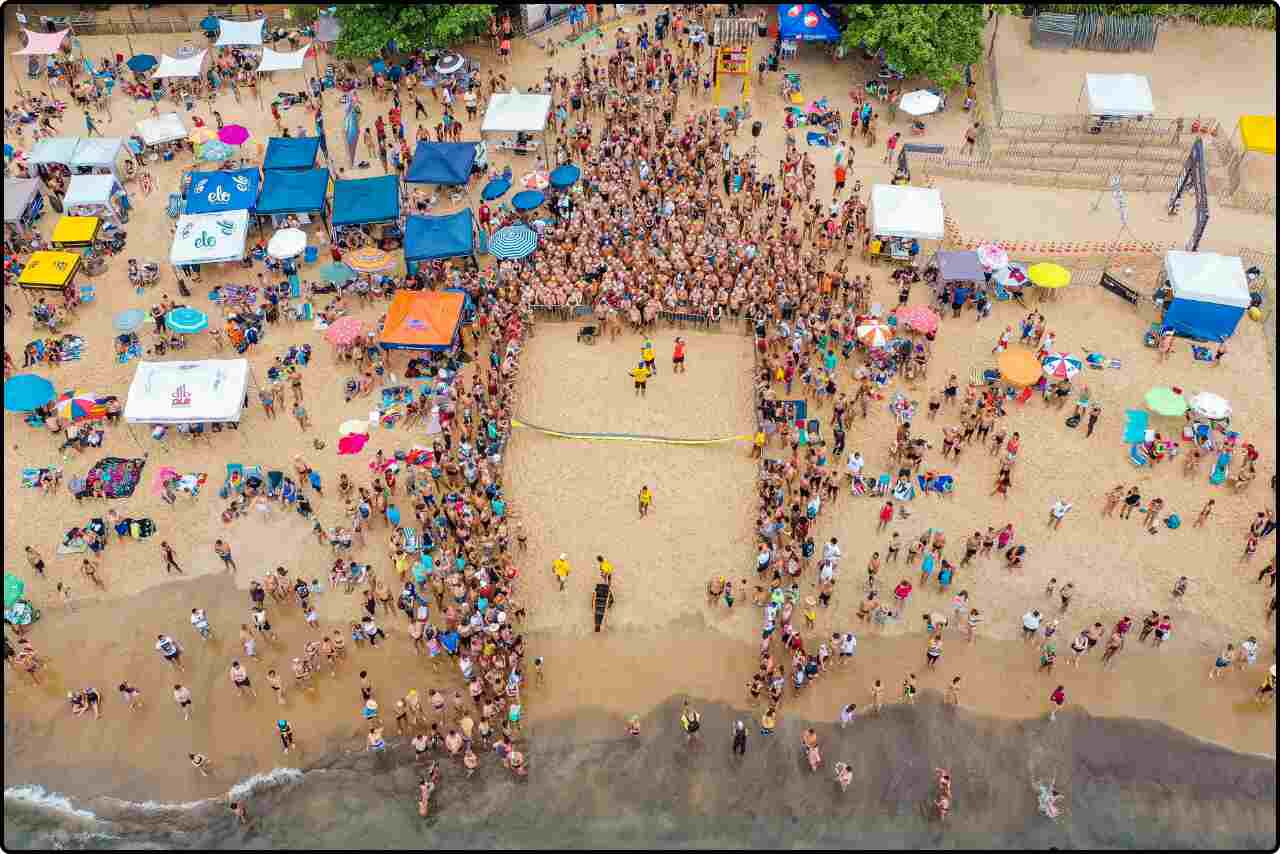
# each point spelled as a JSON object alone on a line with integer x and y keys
{"x": 17, "y": 77}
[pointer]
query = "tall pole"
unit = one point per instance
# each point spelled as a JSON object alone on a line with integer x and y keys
{"x": 129, "y": 9}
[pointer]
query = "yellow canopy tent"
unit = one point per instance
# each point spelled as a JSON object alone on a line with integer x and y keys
{"x": 75, "y": 231}
{"x": 49, "y": 271}
{"x": 1258, "y": 133}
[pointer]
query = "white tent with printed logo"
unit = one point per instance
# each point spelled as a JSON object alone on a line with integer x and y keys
{"x": 210, "y": 238}
{"x": 187, "y": 392}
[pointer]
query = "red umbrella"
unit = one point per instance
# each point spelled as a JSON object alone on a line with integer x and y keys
{"x": 921, "y": 318}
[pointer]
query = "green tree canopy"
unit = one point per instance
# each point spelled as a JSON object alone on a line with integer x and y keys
{"x": 934, "y": 41}
{"x": 368, "y": 27}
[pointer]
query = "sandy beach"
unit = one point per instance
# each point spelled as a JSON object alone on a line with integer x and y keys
{"x": 1197, "y": 754}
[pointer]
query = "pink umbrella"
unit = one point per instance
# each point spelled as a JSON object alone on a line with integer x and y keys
{"x": 344, "y": 331}
{"x": 921, "y": 318}
{"x": 234, "y": 134}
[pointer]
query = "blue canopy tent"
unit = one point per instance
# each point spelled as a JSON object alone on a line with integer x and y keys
{"x": 287, "y": 192}
{"x": 362, "y": 201}
{"x": 1210, "y": 295}
{"x": 217, "y": 191}
{"x": 430, "y": 238}
{"x": 297, "y": 152}
{"x": 441, "y": 163}
{"x": 806, "y": 22}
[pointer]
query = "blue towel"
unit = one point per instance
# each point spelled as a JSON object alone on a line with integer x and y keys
{"x": 819, "y": 139}
{"x": 295, "y": 286}
{"x": 1135, "y": 427}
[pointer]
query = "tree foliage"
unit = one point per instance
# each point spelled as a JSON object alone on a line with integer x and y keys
{"x": 934, "y": 41}
{"x": 367, "y": 28}
{"x": 303, "y": 14}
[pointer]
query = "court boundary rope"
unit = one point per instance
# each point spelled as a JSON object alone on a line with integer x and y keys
{"x": 627, "y": 437}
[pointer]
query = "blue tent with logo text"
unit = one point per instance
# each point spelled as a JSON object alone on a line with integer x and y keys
{"x": 211, "y": 192}
{"x": 806, "y": 22}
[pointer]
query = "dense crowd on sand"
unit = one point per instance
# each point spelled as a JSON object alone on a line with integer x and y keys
{"x": 675, "y": 212}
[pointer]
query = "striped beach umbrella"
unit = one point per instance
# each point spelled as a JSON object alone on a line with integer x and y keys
{"x": 367, "y": 259}
{"x": 1061, "y": 366}
{"x": 215, "y": 150}
{"x": 78, "y": 405}
{"x": 513, "y": 242}
{"x": 992, "y": 256}
{"x": 186, "y": 321}
{"x": 874, "y": 333}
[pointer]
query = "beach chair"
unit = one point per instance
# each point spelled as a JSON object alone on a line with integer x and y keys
{"x": 234, "y": 482}
{"x": 858, "y": 487}
{"x": 1136, "y": 455}
{"x": 275, "y": 479}
{"x": 410, "y": 537}
{"x": 882, "y": 486}
{"x": 814, "y": 429}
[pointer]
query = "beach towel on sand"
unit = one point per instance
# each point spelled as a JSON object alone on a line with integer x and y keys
{"x": 815, "y": 138}
{"x": 119, "y": 477}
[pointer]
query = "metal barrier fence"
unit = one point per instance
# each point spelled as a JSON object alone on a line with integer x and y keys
{"x": 141, "y": 24}
{"x": 550, "y": 312}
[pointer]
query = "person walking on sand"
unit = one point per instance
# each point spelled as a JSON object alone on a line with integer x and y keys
{"x": 182, "y": 696}
{"x": 1205, "y": 512}
{"x": 170, "y": 650}
{"x": 1223, "y": 661}
{"x": 1057, "y": 700}
{"x": 560, "y": 567}
{"x": 677, "y": 356}
{"x": 240, "y": 679}
{"x": 170, "y": 562}
{"x": 909, "y": 689}
{"x": 200, "y": 762}
{"x": 1058, "y": 512}
{"x": 690, "y": 722}
{"x": 645, "y": 501}
{"x": 952, "y": 696}
{"x": 739, "y": 739}
{"x": 223, "y": 551}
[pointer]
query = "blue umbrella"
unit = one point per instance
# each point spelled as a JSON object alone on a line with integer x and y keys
{"x": 565, "y": 176}
{"x": 128, "y": 321}
{"x": 336, "y": 272}
{"x": 209, "y": 24}
{"x": 25, "y": 392}
{"x": 216, "y": 150}
{"x": 527, "y": 200}
{"x": 142, "y": 62}
{"x": 495, "y": 188}
{"x": 186, "y": 321}
{"x": 513, "y": 242}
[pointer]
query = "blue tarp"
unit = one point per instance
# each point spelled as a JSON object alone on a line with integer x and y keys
{"x": 217, "y": 191}
{"x": 1202, "y": 321}
{"x": 427, "y": 238}
{"x": 441, "y": 163}
{"x": 806, "y": 22}
{"x": 365, "y": 200}
{"x": 298, "y": 152}
{"x": 285, "y": 192}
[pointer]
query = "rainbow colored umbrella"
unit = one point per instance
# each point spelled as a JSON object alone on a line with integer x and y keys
{"x": 234, "y": 134}
{"x": 201, "y": 135}
{"x": 1061, "y": 366}
{"x": 367, "y": 259}
{"x": 78, "y": 405}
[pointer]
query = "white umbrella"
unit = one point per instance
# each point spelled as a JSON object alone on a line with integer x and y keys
{"x": 287, "y": 243}
{"x": 921, "y": 102}
{"x": 1210, "y": 405}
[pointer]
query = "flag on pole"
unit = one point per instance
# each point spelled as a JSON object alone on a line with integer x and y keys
{"x": 351, "y": 124}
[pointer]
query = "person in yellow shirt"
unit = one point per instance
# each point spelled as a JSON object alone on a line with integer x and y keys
{"x": 641, "y": 375}
{"x": 646, "y": 353}
{"x": 560, "y": 567}
{"x": 757, "y": 445}
{"x": 646, "y": 501}
{"x": 606, "y": 569}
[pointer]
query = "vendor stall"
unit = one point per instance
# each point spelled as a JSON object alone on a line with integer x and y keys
{"x": 522, "y": 115}
{"x": 90, "y": 195}
{"x": 211, "y": 192}
{"x": 49, "y": 271}
{"x": 60, "y": 150}
{"x": 187, "y": 392}
{"x": 165, "y": 128}
{"x": 297, "y": 193}
{"x": 958, "y": 267}
{"x": 901, "y": 217}
{"x": 296, "y": 153}
{"x": 104, "y": 155}
{"x": 446, "y": 163}
{"x": 1115, "y": 100}
{"x": 431, "y": 238}
{"x": 23, "y": 203}
{"x": 209, "y": 238}
{"x": 1210, "y": 293}
{"x": 369, "y": 201}
{"x": 75, "y": 232}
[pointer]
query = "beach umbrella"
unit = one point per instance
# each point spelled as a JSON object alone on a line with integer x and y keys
{"x": 1166, "y": 401}
{"x": 1018, "y": 366}
{"x": 527, "y": 200}
{"x": 287, "y": 243}
{"x": 26, "y": 392}
{"x": 367, "y": 259}
{"x": 921, "y": 318}
{"x": 450, "y": 63}
{"x": 13, "y": 590}
{"x": 209, "y": 24}
{"x": 186, "y": 321}
{"x": 874, "y": 333}
{"x": 344, "y": 331}
{"x": 142, "y": 62}
{"x": 495, "y": 188}
{"x": 336, "y": 272}
{"x": 1010, "y": 277}
{"x": 921, "y": 102}
{"x": 215, "y": 150}
{"x": 201, "y": 135}
{"x": 535, "y": 180}
{"x": 1049, "y": 275}
{"x": 355, "y": 425}
{"x": 992, "y": 256}
{"x": 513, "y": 242}
{"x": 1211, "y": 406}
{"x": 565, "y": 176}
{"x": 78, "y": 405}
{"x": 128, "y": 321}
{"x": 1062, "y": 366}
{"x": 234, "y": 134}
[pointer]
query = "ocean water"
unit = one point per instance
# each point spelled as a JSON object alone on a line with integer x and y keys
{"x": 1128, "y": 784}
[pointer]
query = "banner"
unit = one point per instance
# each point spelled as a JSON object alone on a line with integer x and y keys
{"x": 351, "y": 125}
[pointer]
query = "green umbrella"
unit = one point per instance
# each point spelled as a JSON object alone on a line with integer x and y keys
{"x": 13, "y": 589}
{"x": 1166, "y": 401}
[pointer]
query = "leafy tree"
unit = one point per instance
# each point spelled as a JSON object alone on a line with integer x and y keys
{"x": 927, "y": 40}
{"x": 303, "y": 15}
{"x": 368, "y": 27}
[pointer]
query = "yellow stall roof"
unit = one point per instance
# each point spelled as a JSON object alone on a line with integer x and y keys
{"x": 75, "y": 229}
{"x": 1258, "y": 133}
{"x": 49, "y": 269}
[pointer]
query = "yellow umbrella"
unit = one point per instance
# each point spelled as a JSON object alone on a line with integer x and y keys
{"x": 1019, "y": 366}
{"x": 202, "y": 135}
{"x": 368, "y": 260}
{"x": 1049, "y": 276}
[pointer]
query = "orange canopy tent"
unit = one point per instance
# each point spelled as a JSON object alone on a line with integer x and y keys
{"x": 423, "y": 320}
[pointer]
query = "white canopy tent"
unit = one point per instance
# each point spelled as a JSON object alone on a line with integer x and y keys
{"x": 58, "y": 149}
{"x": 90, "y": 195}
{"x": 276, "y": 61}
{"x": 189, "y": 67}
{"x": 107, "y": 153}
{"x": 1207, "y": 277}
{"x": 187, "y": 392}
{"x": 234, "y": 33}
{"x": 210, "y": 238}
{"x": 907, "y": 212}
{"x": 511, "y": 112}
{"x": 18, "y": 195}
{"x": 1126, "y": 95}
{"x": 167, "y": 127}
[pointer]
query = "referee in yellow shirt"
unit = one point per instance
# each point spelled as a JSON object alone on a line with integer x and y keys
{"x": 641, "y": 375}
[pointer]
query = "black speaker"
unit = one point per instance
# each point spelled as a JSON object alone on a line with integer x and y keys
{"x": 756, "y": 127}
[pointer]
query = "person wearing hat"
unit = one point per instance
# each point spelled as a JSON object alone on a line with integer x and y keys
{"x": 286, "y": 734}
{"x": 560, "y": 566}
